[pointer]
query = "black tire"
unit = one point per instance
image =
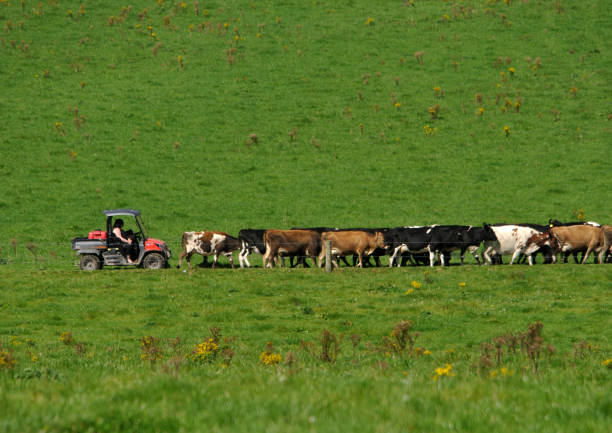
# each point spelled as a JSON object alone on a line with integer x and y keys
{"x": 154, "y": 261}
{"x": 90, "y": 262}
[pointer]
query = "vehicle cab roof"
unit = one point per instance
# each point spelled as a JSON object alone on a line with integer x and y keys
{"x": 117, "y": 212}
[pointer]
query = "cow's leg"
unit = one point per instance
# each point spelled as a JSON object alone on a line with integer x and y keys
{"x": 442, "y": 258}
{"x": 590, "y": 248}
{"x": 392, "y": 257}
{"x": 530, "y": 259}
{"x": 215, "y": 258}
{"x": 487, "y": 256}
{"x": 474, "y": 251}
{"x": 230, "y": 258}
{"x": 266, "y": 258}
{"x": 343, "y": 260}
{"x": 180, "y": 262}
{"x": 515, "y": 255}
{"x": 432, "y": 258}
{"x": 585, "y": 256}
{"x": 360, "y": 257}
{"x": 189, "y": 259}
{"x": 242, "y": 257}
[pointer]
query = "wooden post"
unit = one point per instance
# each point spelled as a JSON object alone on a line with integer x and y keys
{"x": 328, "y": 256}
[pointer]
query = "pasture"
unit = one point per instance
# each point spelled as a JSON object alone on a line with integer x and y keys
{"x": 228, "y": 115}
{"x": 359, "y": 377}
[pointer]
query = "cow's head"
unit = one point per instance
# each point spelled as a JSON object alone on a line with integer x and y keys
{"x": 539, "y": 240}
{"x": 379, "y": 241}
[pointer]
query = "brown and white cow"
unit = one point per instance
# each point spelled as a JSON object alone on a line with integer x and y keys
{"x": 293, "y": 243}
{"x": 568, "y": 239}
{"x": 346, "y": 243}
{"x": 208, "y": 243}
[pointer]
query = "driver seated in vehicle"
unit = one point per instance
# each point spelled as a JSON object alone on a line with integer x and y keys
{"x": 129, "y": 246}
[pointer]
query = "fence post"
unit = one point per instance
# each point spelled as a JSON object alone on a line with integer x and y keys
{"x": 328, "y": 256}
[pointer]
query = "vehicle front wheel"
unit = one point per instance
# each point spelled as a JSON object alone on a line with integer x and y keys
{"x": 90, "y": 262}
{"x": 154, "y": 261}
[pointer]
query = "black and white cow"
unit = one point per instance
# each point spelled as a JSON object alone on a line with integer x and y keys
{"x": 402, "y": 240}
{"x": 251, "y": 241}
{"x": 449, "y": 238}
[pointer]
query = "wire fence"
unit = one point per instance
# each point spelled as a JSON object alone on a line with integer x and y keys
{"x": 56, "y": 255}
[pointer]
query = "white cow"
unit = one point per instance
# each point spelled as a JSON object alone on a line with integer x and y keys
{"x": 511, "y": 239}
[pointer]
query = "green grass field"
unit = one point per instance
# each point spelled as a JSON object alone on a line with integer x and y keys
{"x": 228, "y": 115}
{"x": 104, "y": 379}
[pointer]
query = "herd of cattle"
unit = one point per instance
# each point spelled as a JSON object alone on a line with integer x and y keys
{"x": 419, "y": 245}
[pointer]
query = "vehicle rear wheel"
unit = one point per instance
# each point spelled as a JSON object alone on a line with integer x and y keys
{"x": 90, "y": 262}
{"x": 154, "y": 261}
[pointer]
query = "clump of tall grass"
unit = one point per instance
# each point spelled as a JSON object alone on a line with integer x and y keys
{"x": 506, "y": 348}
{"x": 401, "y": 339}
{"x": 7, "y": 358}
{"x": 151, "y": 350}
{"x": 330, "y": 346}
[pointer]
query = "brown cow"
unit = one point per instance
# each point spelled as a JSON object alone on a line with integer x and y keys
{"x": 208, "y": 243}
{"x": 346, "y": 243}
{"x": 573, "y": 238}
{"x": 300, "y": 243}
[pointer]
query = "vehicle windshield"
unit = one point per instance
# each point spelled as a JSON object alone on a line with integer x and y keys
{"x": 142, "y": 227}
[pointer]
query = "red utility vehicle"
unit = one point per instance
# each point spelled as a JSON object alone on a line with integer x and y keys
{"x": 102, "y": 247}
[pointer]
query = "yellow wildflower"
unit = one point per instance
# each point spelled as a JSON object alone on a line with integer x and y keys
{"x": 415, "y": 284}
{"x": 267, "y": 358}
{"x": 205, "y": 351}
{"x": 444, "y": 371}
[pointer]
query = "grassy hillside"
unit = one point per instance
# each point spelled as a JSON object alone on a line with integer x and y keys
{"x": 227, "y": 115}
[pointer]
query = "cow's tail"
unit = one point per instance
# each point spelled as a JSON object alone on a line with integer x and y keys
{"x": 266, "y": 256}
{"x": 184, "y": 239}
